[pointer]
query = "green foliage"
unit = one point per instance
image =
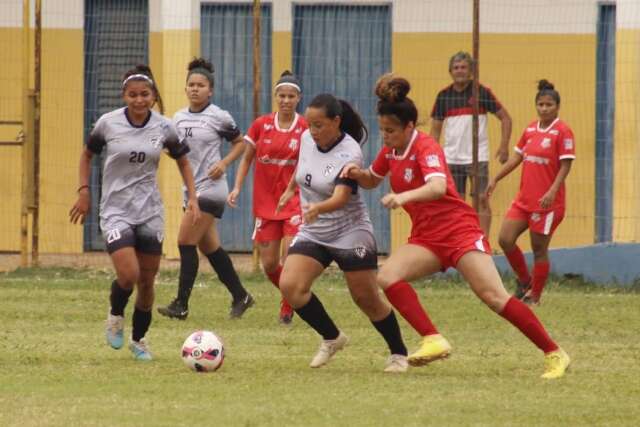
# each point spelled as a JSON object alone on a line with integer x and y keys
{"x": 56, "y": 370}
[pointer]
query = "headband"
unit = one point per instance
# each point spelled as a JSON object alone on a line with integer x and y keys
{"x": 137, "y": 77}
{"x": 293, "y": 85}
{"x": 201, "y": 70}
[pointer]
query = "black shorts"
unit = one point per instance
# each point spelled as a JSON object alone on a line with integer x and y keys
{"x": 212, "y": 207}
{"x": 460, "y": 173}
{"x": 143, "y": 238}
{"x": 356, "y": 259}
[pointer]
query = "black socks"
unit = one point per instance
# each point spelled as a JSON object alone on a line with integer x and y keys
{"x": 317, "y": 317}
{"x": 390, "y": 331}
{"x": 223, "y": 267}
{"x": 119, "y": 298}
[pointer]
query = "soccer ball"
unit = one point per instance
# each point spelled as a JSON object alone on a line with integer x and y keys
{"x": 203, "y": 351}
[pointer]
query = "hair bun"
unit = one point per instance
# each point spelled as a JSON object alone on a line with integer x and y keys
{"x": 200, "y": 63}
{"x": 143, "y": 69}
{"x": 545, "y": 84}
{"x": 286, "y": 73}
{"x": 392, "y": 89}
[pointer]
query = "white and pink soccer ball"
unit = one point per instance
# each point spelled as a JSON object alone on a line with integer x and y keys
{"x": 203, "y": 351}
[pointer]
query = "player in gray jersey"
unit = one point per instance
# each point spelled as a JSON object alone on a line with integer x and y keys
{"x": 336, "y": 228}
{"x": 131, "y": 140}
{"x": 204, "y": 126}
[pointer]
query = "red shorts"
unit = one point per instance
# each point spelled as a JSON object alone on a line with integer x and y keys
{"x": 539, "y": 222}
{"x": 268, "y": 230}
{"x": 450, "y": 253}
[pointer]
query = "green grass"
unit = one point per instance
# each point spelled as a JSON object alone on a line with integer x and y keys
{"x": 55, "y": 368}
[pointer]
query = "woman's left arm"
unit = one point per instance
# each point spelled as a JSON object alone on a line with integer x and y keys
{"x": 187, "y": 177}
{"x": 547, "y": 200}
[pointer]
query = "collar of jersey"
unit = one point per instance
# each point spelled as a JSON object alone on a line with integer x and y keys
{"x": 144, "y": 123}
{"x": 406, "y": 150}
{"x": 199, "y": 111}
{"x": 291, "y": 127}
{"x": 545, "y": 130}
{"x": 338, "y": 141}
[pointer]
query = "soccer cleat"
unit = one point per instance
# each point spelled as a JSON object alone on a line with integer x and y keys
{"x": 396, "y": 364}
{"x": 556, "y": 364}
{"x": 140, "y": 350}
{"x": 433, "y": 347}
{"x": 521, "y": 289}
{"x": 531, "y": 300}
{"x": 286, "y": 312}
{"x": 240, "y": 306}
{"x": 175, "y": 310}
{"x": 115, "y": 330}
{"x": 327, "y": 349}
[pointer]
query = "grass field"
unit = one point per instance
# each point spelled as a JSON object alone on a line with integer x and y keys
{"x": 55, "y": 368}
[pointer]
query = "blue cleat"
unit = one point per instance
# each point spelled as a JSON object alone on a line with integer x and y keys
{"x": 114, "y": 331}
{"x": 140, "y": 350}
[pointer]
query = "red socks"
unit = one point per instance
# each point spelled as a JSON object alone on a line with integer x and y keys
{"x": 540, "y": 274}
{"x": 402, "y": 296}
{"x": 521, "y": 316}
{"x": 518, "y": 264}
{"x": 275, "y": 276}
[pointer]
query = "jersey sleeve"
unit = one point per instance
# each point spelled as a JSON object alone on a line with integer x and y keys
{"x": 431, "y": 162}
{"x": 488, "y": 100}
{"x": 567, "y": 146}
{"x": 173, "y": 144}
{"x": 253, "y": 134}
{"x": 355, "y": 157}
{"x": 227, "y": 127}
{"x": 380, "y": 165}
{"x": 519, "y": 147}
{"x": 439, "y": 111}
{"x": 97, "y": 140}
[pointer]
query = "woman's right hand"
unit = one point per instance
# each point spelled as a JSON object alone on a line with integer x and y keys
{"x": 350, "y": 171}
{"x": 232, "y": 198}
{"x": 80, "y": 209}
{"x": 284, "y": 199}
{"x": 491, "y": 186}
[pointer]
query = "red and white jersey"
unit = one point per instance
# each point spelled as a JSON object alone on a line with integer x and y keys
{"x": 542, "y": 150}
{"x": 439, "y": 220}
{"x": 276, "y": 158}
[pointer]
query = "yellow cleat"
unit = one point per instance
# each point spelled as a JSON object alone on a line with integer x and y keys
{"x": 556, "y": 364}
{"x": 433, "y": 347}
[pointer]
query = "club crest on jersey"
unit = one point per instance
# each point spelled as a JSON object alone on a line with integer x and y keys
{"x": 408, "y": 174}
{"x": 433, "y": 161}
{"x": 293, "y": 144}
{"x": 546, "y": 143}
{"x": 568, "y": 144}
{"x": 156, "y": 141}
{"x": 328, "y": 169}
{"x": 360, "y": 251}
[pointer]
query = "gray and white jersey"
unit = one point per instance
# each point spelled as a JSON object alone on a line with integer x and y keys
{"x": 131, "y": 154}
{"x": 204, "y": 131}
{"x": 317, "y": 176}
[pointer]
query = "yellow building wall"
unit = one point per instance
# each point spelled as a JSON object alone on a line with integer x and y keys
{"x": 511, "y": 64}
{"x": 169, "y": 54}
{"x": 11, "y": 49}
{"x": 627, "y": 135}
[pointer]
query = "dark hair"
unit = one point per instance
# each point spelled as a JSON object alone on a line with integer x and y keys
{"x": 288, "y": 78}
{"x": 145, "y": 70}
{"x": 201, "y": 66}
{"x": 350, "y": 120}
{"x": 545, "y": 87}
{"x": 461, "y": 56}
{"x": 393, "y": 101}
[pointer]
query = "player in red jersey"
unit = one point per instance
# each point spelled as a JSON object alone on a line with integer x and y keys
{"x": 547, "y": 149}
{"x": 445, "y": 230}
{"x": 273, "y": 140}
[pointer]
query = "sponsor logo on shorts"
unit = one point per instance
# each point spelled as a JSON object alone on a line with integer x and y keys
{"x": 535, "y": 217}
{"x": 295, "y": 220}
{"x": 360, "y": 251}
{"x": 433, "y": 161}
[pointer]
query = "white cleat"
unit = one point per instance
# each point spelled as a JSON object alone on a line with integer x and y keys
{"x": 140, "y": 350}
{"x": 327, "y": 349}
{"x": 114, "y": 330}
{"x": 396, "y": 364}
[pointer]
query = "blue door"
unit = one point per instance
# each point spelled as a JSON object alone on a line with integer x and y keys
{"x": 226, "y": 32}
{"x": 116, "y": 38}
{"x": 335, "y": 52}
{"x": 605, "y": 110}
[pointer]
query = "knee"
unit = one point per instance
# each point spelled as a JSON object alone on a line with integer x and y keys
{"x": 494, "y": 298}
{"x": 270, "y": 264}
{"x": 145, "y": 297}
{"x": 539, "y": 254}
{"x": 386, "y": 278}
{"x": 127, "y": 279}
